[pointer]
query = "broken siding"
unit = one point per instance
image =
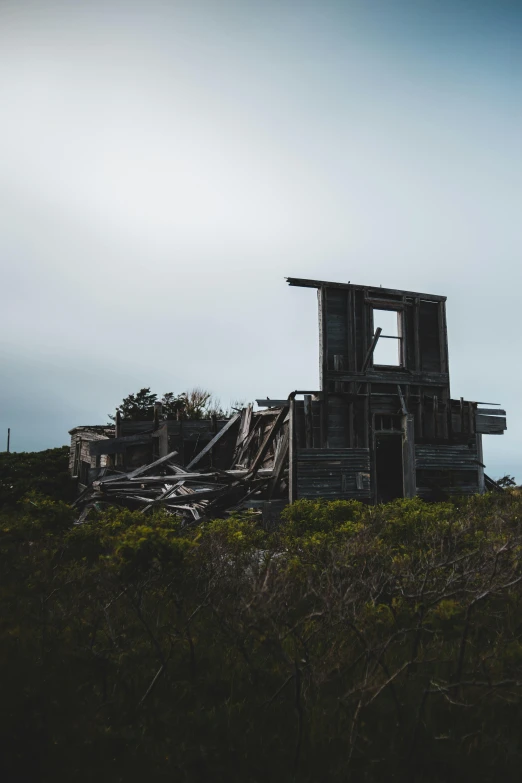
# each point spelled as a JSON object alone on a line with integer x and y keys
{"x": 80, "y": 450}
{"x": 449, "y": 469}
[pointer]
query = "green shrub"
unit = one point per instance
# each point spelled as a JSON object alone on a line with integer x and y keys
{"x": 353, "y": 643}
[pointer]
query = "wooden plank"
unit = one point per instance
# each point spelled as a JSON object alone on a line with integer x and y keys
{"x": 244, "y": 429}
{"x": 214, "y": 440}
{"x": 280, "y": 462}
{"x": 401, "y": 400}
{"x": 490, "y": 425}
{"x": 144, "y": 468}
{"x": 267, "y": 403}
{"x": 117, "y": 445}
{"x": 124, "y": 478}
{"x": 164, "y": 495}
{"x": 371, "y": 349}
{"x": 267, "y": 440}
{"x": 307, "y": 283}
{"x": 244, "y": 450}
{"x": 386, "y": 304}
{"x": 392, "y": 376}
{"x": 490, "y": 412}
{"x": 196, "y": 496}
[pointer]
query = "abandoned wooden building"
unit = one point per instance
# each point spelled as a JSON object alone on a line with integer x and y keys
{"x": 382, "y": 425}
{"x": 384, "y": 412}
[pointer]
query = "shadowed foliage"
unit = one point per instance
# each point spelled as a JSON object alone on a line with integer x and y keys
{"x": 40, "y": 471}
{"x": 353, "y": 643}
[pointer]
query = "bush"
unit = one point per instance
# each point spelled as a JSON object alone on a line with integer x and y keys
{"x": 354, "y": 643}
{"x": 44, "y": 472}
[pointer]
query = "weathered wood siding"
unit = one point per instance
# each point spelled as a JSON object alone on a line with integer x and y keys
{"x": 450, "y": 469}
{"x": 85, "y": 438}
{"x": 81, "y": 461}
{"x": 333, "y": 473}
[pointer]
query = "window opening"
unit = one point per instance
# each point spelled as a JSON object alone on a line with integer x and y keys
{"x": 388, "y": 350}
{"x": 387, "y": 423}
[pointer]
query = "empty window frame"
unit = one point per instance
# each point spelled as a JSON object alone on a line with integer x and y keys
{"x": 388, "y": 351}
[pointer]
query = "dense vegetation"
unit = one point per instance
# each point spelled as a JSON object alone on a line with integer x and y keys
{"x": 46, "y": 472}
{"x": 352, "y": 643}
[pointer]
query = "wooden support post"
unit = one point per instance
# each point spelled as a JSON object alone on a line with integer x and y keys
{"x": 323, "y": 365}
{"x": 279, "y": 464}
{"x": 422, "y": 414}
{"x": 163, "y": 439}
{"x": 371, "y": 349}
{"x": 213, "y": 427}
{"x": 471, "y": 417}
{"x": 480, "y": 457}
{"x": 371, "y": 445}
{"x": 243, "y": 434}
{"x": 292, "y": 453}
{"x": 351, "y": 421}
{"x": 339, "y": 366}
{"x": 156, "y": 419}
{"x": 8, "y": 439}
{"x": 118, "y": 458}
{"x": 323, "y": 338}
{"x": 367, "y": 415}
{"x": 404, "y": 409}
{"x": 445, "y": 404}
{"x": 443, "y": 337}
{"x": 408, "y": 456}
{"x": 435, "y": 416}
{"x": 416, "y": 334}
{"x": 308, "y": 421}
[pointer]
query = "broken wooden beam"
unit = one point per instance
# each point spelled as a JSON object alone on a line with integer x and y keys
{"x": 230, "y": 423}
{"x": 270, "y": 435}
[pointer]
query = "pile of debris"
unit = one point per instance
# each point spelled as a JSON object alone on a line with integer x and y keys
{"x": 257, "y": 475}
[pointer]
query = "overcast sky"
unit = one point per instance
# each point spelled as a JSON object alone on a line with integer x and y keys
{"x": 164, "y": 165}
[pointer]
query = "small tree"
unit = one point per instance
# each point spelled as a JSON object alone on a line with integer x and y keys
{"x": 174, "y": 406}
{"x": 197, "y": 403}
{"x": 137, "y": 407}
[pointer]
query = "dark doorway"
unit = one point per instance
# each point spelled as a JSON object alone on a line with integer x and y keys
{"x": 388, "y": 462}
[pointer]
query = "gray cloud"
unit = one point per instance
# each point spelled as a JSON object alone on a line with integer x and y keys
{"x": 164, "y": 165}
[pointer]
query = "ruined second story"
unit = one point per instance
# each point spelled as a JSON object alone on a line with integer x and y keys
{"x": 385, "y": 389}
